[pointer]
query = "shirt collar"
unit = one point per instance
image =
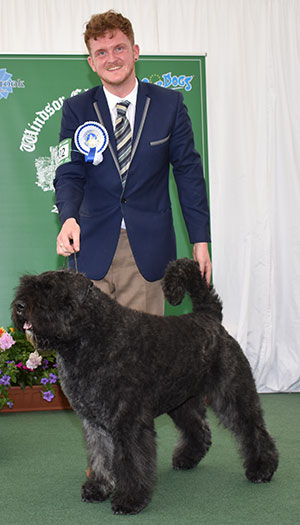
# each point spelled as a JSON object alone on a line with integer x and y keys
{"x": 113, "y": 99}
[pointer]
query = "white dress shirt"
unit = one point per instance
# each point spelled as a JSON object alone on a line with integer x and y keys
{"x": 112, "y": 101}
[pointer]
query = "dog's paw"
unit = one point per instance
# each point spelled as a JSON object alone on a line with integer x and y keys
{"x": 127, "y": 506}
{"x": 261, "y": 472}
{"x": 182, "y": 463}
{"x": 187, "y": 458}
{"x": 94, "y": 492}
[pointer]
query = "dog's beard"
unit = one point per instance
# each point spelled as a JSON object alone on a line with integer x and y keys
{"x": 30, "y": 336}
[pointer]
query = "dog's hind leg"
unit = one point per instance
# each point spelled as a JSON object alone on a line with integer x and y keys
{"x": 100, "y": 453}
{"x": 195, "y": 436}
{"x": 237, "y": 404}
{"x": 134, "y": 466}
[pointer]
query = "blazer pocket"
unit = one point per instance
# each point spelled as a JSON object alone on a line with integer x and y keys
{"x": 159, "y": 142}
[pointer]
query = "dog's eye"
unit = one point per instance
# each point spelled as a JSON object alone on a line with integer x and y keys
{"x": 20, "y": 306}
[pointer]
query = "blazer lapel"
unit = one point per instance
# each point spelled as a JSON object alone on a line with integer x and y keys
{"x": 103, "y": 114}
{"x": 100, "y": 98}
{"x": 142, "y": 106}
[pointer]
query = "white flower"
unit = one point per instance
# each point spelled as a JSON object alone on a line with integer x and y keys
{"x": 34, "y": 360}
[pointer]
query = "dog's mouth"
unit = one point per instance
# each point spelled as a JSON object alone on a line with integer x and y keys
{"x": 27, "y": 327}
{"x": 23, "y": 323}
{"x": 28, "y": 330}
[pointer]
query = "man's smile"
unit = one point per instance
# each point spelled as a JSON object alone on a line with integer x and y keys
{"x": 114, "y": 68}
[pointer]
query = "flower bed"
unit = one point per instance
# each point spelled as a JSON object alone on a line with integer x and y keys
{"x": 30, "y": 400}
{"x": 26, "y": 375}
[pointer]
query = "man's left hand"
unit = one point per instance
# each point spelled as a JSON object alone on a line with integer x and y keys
{"x": 202, "y": 257}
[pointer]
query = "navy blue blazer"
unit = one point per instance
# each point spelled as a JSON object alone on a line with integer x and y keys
{"x": 93, "y": 194}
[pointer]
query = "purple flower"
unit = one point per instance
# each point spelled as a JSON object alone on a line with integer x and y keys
{"x": 10, "y": 404}
{"x": 52, "y": 378}
{"x": 6, "y": 341}
{"x": 44, "y": 381}
{"x": 48, "y": 396}
{"x": 5, "y": 380}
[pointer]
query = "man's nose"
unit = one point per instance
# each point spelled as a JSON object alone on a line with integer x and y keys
{"x": 111, "y": 56}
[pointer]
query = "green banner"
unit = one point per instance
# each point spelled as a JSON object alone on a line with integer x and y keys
{"x": 32, "y": 91}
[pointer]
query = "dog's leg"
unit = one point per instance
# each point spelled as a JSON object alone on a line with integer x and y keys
{"x": 134, "y": 466}
{"x": 237, "y": 404}
{"x": 100, "y": 453}
{"x": 195, "y": 438}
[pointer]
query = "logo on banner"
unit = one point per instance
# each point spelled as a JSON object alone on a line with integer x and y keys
{"x": 46, "y": 165}
{"x": 168, "y": 80}
{"x": 7, "y": 84}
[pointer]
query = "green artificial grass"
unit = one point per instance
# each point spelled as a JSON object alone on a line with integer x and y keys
{"x": 43, "y": 461}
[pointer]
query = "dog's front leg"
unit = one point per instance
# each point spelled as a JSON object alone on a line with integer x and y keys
{"x": 100, "y": 453}
{"x": 134, "y": 467}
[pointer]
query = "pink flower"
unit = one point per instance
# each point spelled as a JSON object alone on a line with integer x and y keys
{"x": 34, "y": 360}
{"x": 6, "y": 341}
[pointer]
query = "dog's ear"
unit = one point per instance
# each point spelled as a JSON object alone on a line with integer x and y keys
{"x": 79, "y": 284}
{"x": 84, "y": 292}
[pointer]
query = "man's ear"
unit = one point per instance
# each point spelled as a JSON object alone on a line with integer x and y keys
{"x": 136, "y": 52}
{"x": 91, "y": 63}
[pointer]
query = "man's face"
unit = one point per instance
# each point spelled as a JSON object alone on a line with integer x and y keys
{"x": 112, "y": 57}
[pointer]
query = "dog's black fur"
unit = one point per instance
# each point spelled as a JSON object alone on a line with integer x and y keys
{"x": 120, "y": 369}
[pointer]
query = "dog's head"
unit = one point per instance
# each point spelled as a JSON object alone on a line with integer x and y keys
{"x": 48, "y": 306}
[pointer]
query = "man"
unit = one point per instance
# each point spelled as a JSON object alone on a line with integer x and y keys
{"x": 118, "y": 217}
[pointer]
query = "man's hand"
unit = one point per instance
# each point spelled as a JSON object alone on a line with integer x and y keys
{"x": 201, "y": 256}
{"x": 70, "y": 232}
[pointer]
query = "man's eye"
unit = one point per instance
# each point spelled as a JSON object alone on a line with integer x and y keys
{"x": 119, "y": 49}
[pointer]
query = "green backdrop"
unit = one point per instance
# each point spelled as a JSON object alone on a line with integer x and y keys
{"x": 32, "y": 90}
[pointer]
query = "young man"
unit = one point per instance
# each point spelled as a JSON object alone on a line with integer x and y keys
{"x": 114, "y": 204}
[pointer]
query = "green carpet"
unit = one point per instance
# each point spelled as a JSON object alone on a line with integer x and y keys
{"x": 42, "y": 464}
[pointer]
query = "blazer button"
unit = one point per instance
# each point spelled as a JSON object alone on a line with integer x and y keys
{"x": 123, "y": 201}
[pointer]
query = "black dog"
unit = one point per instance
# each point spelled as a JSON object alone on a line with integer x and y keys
{"x": 120, "y": 369}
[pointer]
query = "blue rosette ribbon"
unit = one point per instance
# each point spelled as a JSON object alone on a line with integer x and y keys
{"x": 91, "y": 139}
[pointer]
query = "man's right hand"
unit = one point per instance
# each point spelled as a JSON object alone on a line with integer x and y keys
{"x": 69, "y": 233}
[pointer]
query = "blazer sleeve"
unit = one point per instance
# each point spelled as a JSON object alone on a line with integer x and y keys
{"x": 70, "y": 177}
{"x": 188, "y": 174}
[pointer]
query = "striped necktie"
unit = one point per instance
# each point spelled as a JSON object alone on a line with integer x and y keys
{"x": 123, "y": 137}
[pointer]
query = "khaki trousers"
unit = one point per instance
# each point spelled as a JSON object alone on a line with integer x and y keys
{"x": 124, "y": 282}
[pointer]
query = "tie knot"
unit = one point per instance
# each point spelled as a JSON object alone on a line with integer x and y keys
{"x": 122, "y": 107}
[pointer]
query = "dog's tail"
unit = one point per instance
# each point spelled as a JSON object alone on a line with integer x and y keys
{"x": 183, "y": 275}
